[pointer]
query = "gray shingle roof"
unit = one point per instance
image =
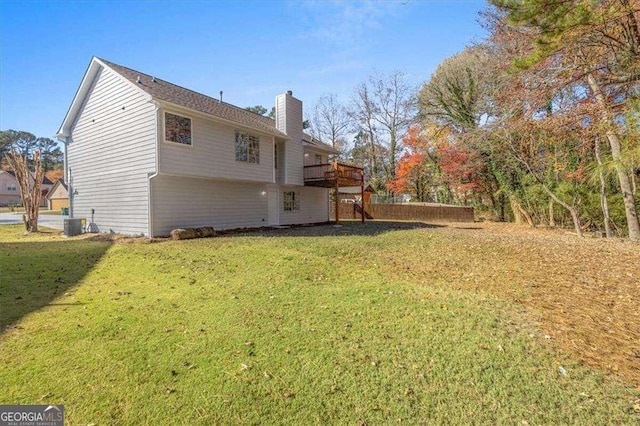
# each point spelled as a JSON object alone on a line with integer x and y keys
{"x": 309, "y": 139}
{"x": 45, "y": 180}
{"x": 174, "y": 94}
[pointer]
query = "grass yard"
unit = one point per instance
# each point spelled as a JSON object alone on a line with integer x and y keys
{"x": 381, "y": 323}
{"x": 6, "y": 209}
{"x": 43, "y": 210}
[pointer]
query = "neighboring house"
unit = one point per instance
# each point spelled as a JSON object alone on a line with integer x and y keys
{"x": 10, "y": 190}
{"x": 58, "y": 196}
{"x": 144, "y": 156}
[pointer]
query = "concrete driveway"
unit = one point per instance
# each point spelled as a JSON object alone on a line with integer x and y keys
{"x": 54, "y": 221}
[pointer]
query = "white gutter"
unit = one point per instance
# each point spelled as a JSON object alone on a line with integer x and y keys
{"x": 154, "y": 174}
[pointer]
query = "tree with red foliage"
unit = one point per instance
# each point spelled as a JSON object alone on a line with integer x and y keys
{"x": 414, "y": 169}
{"x": 460, "y": 167}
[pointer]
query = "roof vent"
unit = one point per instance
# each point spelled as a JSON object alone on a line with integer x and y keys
{"x": 220, "y": 100}
{"x": 290, "y": 92}
{"x": 153, "y": 79}
{"x": 138, "y": 80}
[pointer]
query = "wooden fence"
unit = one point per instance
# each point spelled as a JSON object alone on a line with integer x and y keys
{"x": 405, "y": 212}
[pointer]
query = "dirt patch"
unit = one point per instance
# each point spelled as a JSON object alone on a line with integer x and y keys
{"x": 585, "y": 292}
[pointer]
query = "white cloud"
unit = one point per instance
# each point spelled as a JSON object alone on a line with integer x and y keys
{"x": 347, "y": 24}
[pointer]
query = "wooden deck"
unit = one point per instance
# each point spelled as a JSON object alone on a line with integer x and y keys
{"x": 333, "y": 175}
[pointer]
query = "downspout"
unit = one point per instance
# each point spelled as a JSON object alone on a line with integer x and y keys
{"x": 66, "y": 173}
{"x": 155, "y": 173}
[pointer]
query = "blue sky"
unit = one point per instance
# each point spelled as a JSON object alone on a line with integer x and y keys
{"x": 252, "y": 50}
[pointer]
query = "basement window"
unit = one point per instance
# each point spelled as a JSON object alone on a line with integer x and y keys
{"x": 291, "y": 201}
{"x": 177, "y": 129}
{"x": 247, "y": 148}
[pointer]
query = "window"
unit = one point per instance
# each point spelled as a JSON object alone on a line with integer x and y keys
{"x": 247, "y": 148}
{"x": 318, "y": 159}
{"x": 275, "y": 156}
{"x": 291, "y": 201}
{"x": 177, "y": 128}
{"x": 12, "y": 187}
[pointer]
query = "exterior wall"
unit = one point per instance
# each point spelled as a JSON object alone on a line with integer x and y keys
{"x": 58, "y": 203}
{"x": 279, "y": 172}
{"x": 289, "y": 121}
{"x": 110, "y": 153}
{"x": 212, "y": 153}
{"x": 310, "y": 156}
{"x": 8, "y": 197}
{"x": 191, "y": 202}
{"x": 314, "y": 205}
{"x": 59, "y": 192}
{"x": 13, "y": 197}
{"x": 182, "y": 202}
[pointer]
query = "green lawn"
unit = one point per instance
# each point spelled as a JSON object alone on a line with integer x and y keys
{"x": 315, "y": 326}
{"x": 20, "y": 209}
{"x": 6, "y": 209}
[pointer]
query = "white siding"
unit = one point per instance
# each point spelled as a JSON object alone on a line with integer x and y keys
{"x": 310, "y": 156}
{"x": 314, "y": 206}
{"x": 192, "y": 202}
{"x": 212, "y": 153}
{"x": 180, "y": 202}
{"x": 289, "y": 121}
{"x": 110, "y": 154}
{"x": 6, "y": 196}
{"x": 59, "y": 192}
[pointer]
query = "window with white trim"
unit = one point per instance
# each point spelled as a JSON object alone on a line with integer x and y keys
{"x": 12, "y": 187}
{"x": 291, "y": 201}
{"x": 247, "y": 148}
{"x": 177, "y": 128}
{"x": 318, "y": 159}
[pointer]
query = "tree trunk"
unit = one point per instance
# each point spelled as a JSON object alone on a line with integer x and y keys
{"x": 616, "y": 147}
{"x": 31, "y": 194}
{"x": 603, "y": 192}
{"x": 519, "y": 212}
{"x": 517, "y": 216}
{"x": 572, "y": 211}
{"x": 552, "y": 219}
{"x": 526, "y": 215}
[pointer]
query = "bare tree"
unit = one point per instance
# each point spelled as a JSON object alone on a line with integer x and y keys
{"x": 330, "y": 121}
{"x": 30, "y": 193}
{"x": 384, "y": 108}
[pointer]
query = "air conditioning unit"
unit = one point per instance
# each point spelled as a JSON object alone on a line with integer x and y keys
{"x": 73, "y": 227}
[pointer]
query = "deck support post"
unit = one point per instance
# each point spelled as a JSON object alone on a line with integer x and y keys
{"x": 362, "y": 202}
{"x": 337, "y": 202}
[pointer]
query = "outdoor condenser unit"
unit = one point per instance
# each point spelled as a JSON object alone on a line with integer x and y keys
{"x": 73, "y": 227}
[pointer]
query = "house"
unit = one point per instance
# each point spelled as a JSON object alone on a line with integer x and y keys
{"x": 10, "y": 190}
{"x": 58, "y": 196}
{"x": 145, "y": 156}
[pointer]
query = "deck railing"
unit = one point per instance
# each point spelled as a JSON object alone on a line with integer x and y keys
{"x": 333, "y": 171}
